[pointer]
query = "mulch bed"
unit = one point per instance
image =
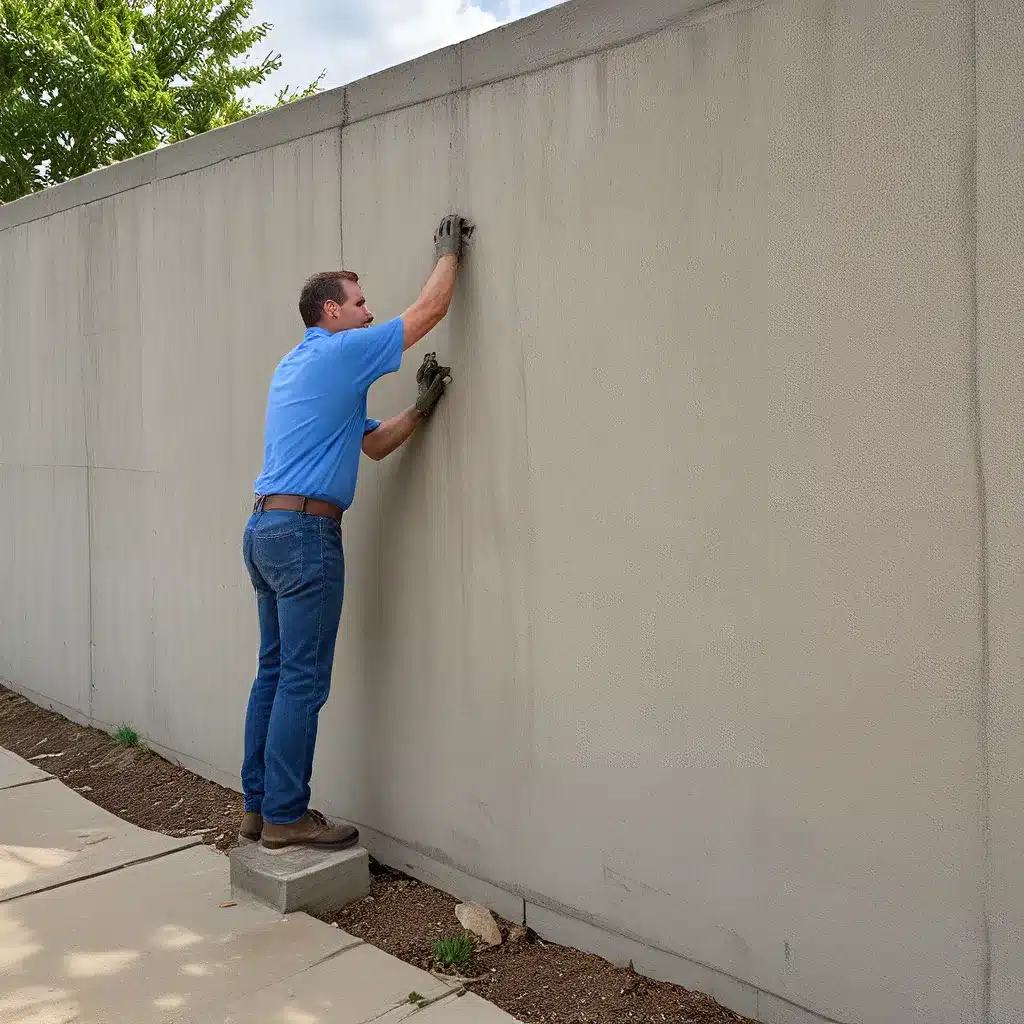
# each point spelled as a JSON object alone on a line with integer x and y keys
{"x": 535, "y": 981}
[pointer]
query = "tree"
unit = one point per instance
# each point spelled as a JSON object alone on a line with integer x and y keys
{"x": 85, "y": 83}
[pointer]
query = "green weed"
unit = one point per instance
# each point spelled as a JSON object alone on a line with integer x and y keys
{"x": 455, "y": 952}
{"x": 126, "y": 736}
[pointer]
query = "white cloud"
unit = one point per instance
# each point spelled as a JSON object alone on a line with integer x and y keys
{"x": 352, "y": 38}
{"x": 409, "y": 28}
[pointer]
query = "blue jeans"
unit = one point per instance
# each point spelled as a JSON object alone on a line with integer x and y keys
{"x": 297, "y": 566}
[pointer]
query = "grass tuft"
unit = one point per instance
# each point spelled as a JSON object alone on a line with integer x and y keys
{"x": 126, "y": 736}
{"x": 455, "y": 952}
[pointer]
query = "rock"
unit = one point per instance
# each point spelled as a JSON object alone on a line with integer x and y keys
{"x": 476, "y": 918}
{"x": 517, "y": 933}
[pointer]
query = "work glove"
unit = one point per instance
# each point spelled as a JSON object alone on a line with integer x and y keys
{"x": 431, "y": 381}
{"x": 450, "y": 235}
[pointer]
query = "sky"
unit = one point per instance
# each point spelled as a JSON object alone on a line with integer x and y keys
{"x": 352, "y": 38}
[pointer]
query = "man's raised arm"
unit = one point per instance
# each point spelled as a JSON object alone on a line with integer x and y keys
{"x": 432, "y": 305}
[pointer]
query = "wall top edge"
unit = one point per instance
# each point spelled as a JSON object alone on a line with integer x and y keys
{"x": 570, "y": 30}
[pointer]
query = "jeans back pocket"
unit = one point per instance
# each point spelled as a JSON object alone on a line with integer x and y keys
{"x": 277, "y": 553}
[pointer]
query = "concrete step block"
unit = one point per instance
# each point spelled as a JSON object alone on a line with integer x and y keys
{"x": 301, "y": 878}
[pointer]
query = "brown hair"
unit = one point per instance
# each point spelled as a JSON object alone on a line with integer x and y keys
{"x": 320, "y": 288}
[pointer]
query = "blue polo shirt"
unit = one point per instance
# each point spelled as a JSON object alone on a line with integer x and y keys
{"x": 316, "y": 410}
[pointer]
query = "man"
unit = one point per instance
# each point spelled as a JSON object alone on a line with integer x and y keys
{"x": 316, "y": 426}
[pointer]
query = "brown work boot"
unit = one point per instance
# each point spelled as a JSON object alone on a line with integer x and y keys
{"x": 251, "y": 828}
{"x": 312, "y": 830}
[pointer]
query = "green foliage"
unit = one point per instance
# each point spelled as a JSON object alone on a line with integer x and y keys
{"x": 455, "y": 952}
{"x": 127, "y": 736}
{"x": 85, "y": 83}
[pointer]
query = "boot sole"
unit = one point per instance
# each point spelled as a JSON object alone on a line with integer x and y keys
{"x": 244, "y": 840}
{"x": 273, "y": 851}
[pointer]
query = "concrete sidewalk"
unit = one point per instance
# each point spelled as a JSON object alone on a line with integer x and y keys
{"x": 102, "y": 922}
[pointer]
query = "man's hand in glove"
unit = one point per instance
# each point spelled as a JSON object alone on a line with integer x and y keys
{"x": 431, "y": 381}
{"x": 450, "y": 235}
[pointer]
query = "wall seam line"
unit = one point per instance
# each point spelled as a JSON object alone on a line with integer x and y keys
{"x": 984, "y": 696}
{"x": 90, "y": 618}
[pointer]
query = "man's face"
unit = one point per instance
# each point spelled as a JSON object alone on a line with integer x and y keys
{"x": 352, "y": 314}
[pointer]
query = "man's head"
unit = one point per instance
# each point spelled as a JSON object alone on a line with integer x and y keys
{"x": 334, "y": 301}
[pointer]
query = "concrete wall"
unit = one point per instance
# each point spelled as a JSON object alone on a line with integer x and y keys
{"x": 691, "y": 626}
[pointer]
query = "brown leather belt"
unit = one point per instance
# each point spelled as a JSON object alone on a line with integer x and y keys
{"x": 297, "y": 503}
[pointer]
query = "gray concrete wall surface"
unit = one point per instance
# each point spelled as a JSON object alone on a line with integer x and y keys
{"x": 690, "y": 626}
